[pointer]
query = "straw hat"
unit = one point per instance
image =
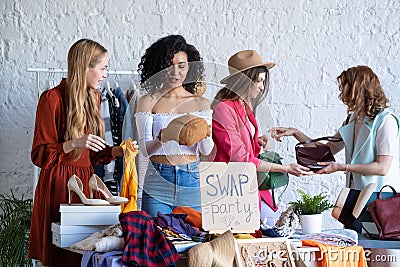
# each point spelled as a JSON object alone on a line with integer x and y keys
{"x": 219, "y": 252}
{"x": 244, "y": 60}
{"x": 187, "y": 130}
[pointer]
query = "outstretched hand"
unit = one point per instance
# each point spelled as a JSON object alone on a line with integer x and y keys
{"x": 298, "y": 170}
{"x": 330, "y": 167}
{"x": 278, "y": 132}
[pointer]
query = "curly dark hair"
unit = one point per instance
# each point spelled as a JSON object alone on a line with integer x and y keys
{"x": 158, "y": 57}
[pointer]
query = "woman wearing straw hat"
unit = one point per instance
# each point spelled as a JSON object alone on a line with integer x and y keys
{"x": 234, "y": 127}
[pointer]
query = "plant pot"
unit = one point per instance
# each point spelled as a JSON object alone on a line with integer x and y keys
{"x": 311, "y": 223}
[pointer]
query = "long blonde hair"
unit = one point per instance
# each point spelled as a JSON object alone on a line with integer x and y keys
{"x": 361, "y": 91}
{"x": 82, "y": 103}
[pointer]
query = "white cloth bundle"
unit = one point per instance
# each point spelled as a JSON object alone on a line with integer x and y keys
{"x": 107, "y": 240}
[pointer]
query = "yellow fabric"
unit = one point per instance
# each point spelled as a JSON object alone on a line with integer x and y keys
{"x": 243, "y": 236}
{"x": 336, "y": 256}
{"x": 129, "y": 186}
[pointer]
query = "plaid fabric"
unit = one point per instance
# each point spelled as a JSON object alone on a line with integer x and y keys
{"x": 145, "y": 244}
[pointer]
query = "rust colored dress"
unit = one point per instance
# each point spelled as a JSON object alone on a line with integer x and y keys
{"x": 56, "y": 168}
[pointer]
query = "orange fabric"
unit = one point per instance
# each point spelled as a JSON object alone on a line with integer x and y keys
{"x": 129, "y": 186}
{"x": 335, "y": 256}
{"x": 56, "y": 168}
{"x": 193, "y": 216}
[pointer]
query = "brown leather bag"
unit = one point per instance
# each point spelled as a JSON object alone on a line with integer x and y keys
{"x": 186, "y": 130}
{"x": 309, "y": 156}
{"x": 384, "y": 213}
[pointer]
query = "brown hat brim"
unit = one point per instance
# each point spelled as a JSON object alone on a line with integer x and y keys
{"x": 268, "y": 65}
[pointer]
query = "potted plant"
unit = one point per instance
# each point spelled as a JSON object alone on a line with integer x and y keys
{"x": 15, "y": 218}
{"x": 310, "y": 208}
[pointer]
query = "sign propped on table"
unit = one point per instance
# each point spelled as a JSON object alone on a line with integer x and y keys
{"x": 229, "y": 197}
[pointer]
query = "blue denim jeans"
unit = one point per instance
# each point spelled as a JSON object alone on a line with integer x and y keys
{"x": 167, "y": 186}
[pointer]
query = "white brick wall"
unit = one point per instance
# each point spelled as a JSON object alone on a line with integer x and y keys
{"x": 311, "y": 42}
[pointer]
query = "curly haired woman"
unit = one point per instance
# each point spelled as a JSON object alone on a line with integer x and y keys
{"x": 171, "y": 73}
{"x": 370, "y": 133}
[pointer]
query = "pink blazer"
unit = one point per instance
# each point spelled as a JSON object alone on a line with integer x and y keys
{"x": 233, "y": 140}
{"x": 232, "y": 133}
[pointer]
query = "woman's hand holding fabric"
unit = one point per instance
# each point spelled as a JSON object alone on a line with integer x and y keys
{"x": 117, "y": 151}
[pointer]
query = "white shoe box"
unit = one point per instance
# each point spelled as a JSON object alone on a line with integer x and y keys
{"x": 66, "y": 235}
{"x": 79, "y": 214}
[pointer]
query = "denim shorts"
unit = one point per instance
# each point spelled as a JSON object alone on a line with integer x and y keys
{"x": 167, "y": 186}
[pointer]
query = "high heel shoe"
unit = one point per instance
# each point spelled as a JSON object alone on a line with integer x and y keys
{"x": 75, "y": 184}
{"x": 96, "y": 184}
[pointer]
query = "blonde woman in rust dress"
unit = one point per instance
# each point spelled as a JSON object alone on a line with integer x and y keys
{"x": 66, "y": 142}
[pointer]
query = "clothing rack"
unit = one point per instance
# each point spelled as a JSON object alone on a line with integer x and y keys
{"x": 37, "y": 72}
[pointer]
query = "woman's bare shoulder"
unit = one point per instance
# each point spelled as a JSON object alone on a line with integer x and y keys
{"x": 202, "y": 103}
{"x": 146, "y": 103}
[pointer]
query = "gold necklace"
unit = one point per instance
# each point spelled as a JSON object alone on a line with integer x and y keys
{"x": 243, "y": 104}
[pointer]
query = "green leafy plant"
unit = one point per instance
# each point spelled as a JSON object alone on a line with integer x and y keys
{"x": 15, "y": 220}
{"x": 310, "y": 204}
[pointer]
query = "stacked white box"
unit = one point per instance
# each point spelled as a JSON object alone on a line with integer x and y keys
{"x": 66, "y": 235}
{"x": 79, "y": 221}
{"x": 79, "y": 214}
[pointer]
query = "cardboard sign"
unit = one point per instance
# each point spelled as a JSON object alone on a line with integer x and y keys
{"x": 229, "y": 197}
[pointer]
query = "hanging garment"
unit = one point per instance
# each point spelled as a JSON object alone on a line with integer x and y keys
{"x": 129, "y": 129}
{"x": 106, "y": 172}
{"x": 118, "y": 105}
{"x": 129, "y": 186}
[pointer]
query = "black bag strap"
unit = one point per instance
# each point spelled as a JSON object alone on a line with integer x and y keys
{"x": 325, "y": 138}
{"x": 273, "y": 195}
{"x": 391, "y": 187}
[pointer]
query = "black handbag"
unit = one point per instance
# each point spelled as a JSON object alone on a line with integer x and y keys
{"x": 309, "y": 156}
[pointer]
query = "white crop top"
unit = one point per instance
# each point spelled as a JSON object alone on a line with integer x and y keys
{"x": 149, "y": 126}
